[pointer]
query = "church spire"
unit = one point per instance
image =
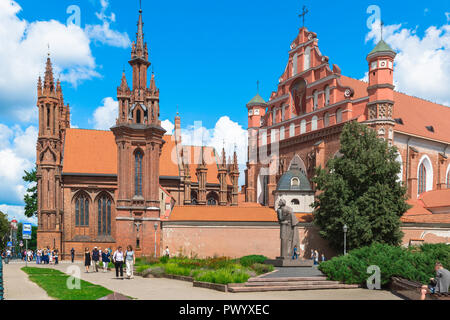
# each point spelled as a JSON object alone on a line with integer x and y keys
{"x": 48, "y": 79}
{"x": 139, "y": 48}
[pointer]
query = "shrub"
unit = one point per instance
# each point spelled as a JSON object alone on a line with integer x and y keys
{"x": 416, "y": 264}
{"x": 142, "y": 267}
{"x": 156, "y": 272}
{"x": 164, "y": 259}
{"x": 223, "y": 276}
{"x": 247, "y": 261}
{"x": 174, "y": 269}
{"x": 261, "y": 268}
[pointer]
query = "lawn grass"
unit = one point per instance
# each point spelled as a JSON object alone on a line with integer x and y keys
{"x": 54, "y": 282}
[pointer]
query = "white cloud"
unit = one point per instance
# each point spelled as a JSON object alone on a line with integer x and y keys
{"x": 103, "y": 33}
{"x": 17, "y": 153}
{"x": 168, "y": 126}
{"x": 226, "y": 133}
{"x": 18, "y": 213}
{"x": 22, "y": 58}
{"x": 105, "y": 116}
{"x": 422, "y": 65}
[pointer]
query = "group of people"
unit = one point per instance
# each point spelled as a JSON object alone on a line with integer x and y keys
{"x": 118, "y": 258}
{"x": 314, "y": 255}
{"x": 46, "y": 256}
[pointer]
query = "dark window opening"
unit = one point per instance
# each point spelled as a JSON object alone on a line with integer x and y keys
{"x": 430, "y": 128}
{"x": 138, "y": 116}
{"x": 82, "y": 211}
{"x": 399, "y": 121}
{"x": 138, "y": 174}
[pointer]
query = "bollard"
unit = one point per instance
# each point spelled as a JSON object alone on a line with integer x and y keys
{"x": 1, "y": 278}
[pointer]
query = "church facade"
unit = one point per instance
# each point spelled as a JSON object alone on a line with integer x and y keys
{"x": 110, "y": 188}
{"x": 302, "y": 121}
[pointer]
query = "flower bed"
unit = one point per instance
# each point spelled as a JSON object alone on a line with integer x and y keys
{"x": 218, "y": 270}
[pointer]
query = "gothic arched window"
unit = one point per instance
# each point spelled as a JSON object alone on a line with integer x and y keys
{"x": 302, "y": 126}
{"x": 422, "y": 179}
{"x": 295, "y": 202}
{"x": 316, "y": 99}
{"x": 314, "y": 123}
{"x": 326, "y": 120}
{"x": 82, "y": 211}
{"x": 104, "y": 215}
{"x": 138, "y": 173}
{"x": 339, "y": 116}
{"x": 138, "y": 116}
{"x": 327, "y": 95}
{"x": 213, "y": 199}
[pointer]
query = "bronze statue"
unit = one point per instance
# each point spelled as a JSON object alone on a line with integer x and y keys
{"x": 288, "y": 229}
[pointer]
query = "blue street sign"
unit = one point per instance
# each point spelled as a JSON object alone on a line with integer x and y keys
{"x": 26, "y": 231}
{"x": 9, "y": 244}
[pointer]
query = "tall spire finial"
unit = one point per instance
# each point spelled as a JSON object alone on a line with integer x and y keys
{"x": 381, "y": 27}
{"x": 140, "y": 5}
{"x": 303, "y": 14}
{"x": 257, "y": 86}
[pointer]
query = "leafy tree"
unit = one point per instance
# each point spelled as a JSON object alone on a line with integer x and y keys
{"x": 30, "y": 197}
{"x": 4, "y": 230}
{"x": 360, "y": 188}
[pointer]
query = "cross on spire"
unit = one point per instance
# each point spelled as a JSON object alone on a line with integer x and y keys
{"x": 303, "y": 14}
{"x": 381, "y": 27}
{"x": 257, "y": 86}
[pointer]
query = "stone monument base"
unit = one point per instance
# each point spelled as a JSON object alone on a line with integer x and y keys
{"x": 283, "y": 262}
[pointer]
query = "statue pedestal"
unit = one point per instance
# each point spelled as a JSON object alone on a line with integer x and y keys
{"x": 283, "y": 262}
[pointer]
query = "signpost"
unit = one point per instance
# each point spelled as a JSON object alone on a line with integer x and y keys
{"x": 26, "y": 235}
{"x": 9, "y": 244}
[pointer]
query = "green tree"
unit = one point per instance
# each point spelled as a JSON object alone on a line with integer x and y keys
{"x": 360, "y": 188}
{"x": 4, "y": 230}
{"x": 32, "y": 243}
{"x": 30, "y": 197}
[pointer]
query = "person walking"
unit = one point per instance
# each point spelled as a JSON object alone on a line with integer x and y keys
{"x": 95, "y": 258}
{"x": 55, "y": 252}
{"x": 72, "y": 254}
{"x": 105, "y": 259}
{"x": 295, "y": 253}
{"x": 312, "y": 254}
{"x": 323, "y": 258}
{"x": 38, "y": 256}
{"x": 118, "y": 262}
{"x": 316, "y": 257}
{"x": 167, "y": 252}
{"x": 130, "y": 260}
{"x": 87, "y": 259}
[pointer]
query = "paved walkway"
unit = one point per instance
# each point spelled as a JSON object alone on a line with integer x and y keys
{"x": 18, "y": 286}
{"x": 167, "y": 289}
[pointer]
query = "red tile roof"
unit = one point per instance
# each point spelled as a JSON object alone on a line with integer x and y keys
{"x": 416, "y": 113}
{"x": 95, "y": 152}
{"x": 90, "y": 151}
{"x": 436, "y": 198}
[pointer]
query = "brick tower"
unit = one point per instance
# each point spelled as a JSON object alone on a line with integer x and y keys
{"x": 380, "y": 108}
{"x": 54, "y": 118}
{"x": 256, "y": 112}
{"x": 139, "y": 139}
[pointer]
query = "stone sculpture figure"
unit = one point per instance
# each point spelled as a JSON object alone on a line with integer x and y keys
{"x": 288, "y": 229}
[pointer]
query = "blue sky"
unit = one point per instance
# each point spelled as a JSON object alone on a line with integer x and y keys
{"x": 207, "y": 57}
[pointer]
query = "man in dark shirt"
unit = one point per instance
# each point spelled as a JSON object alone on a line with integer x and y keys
{"x": 95, "y": 258}
{"x": 72, "y": 254}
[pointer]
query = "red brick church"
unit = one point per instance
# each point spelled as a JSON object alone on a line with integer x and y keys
{"x": 109, "y": 188}
{"x": 136, "y": 185}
